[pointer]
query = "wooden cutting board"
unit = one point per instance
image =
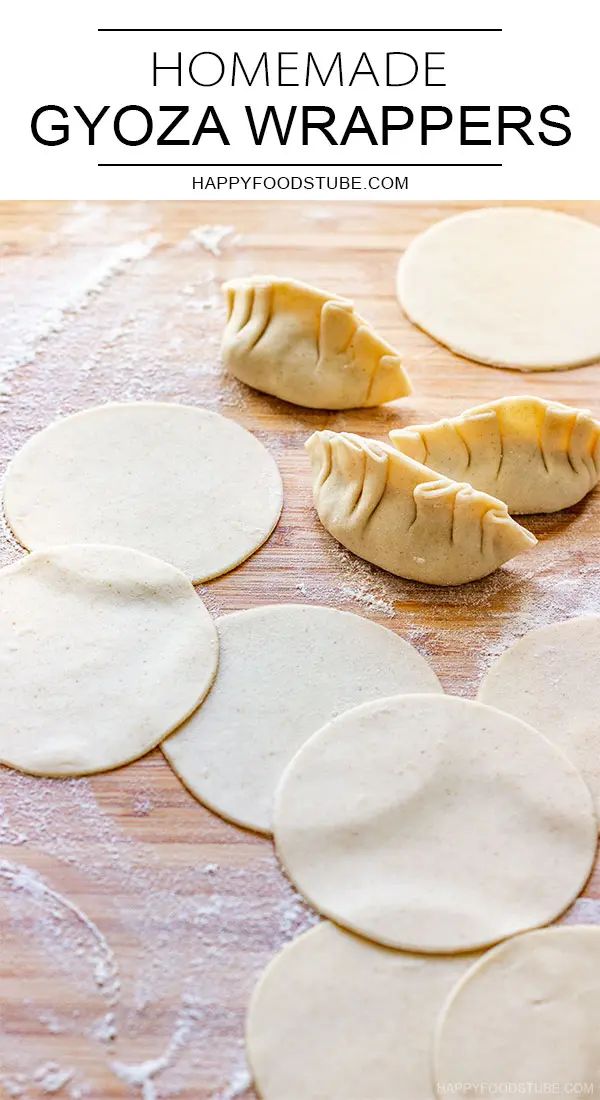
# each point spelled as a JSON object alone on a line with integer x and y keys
{"x": 134, "y": 922}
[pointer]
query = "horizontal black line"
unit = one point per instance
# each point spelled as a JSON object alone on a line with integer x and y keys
{"x": 426, "y": 164}
{"x": 296, "y": 30}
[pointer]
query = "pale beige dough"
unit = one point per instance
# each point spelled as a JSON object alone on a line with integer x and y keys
{"x": 104, "y": 651}
{"x": 175, "y": 481}
{"x": 513, "y": 286}
{"x": 405, "y": 517}
{"x": 535, "y": 455}
{"x": 434, "y": 824}
{"x": 284, "y": 671}
{"x": 550, "y": 678}
{"x": 307, "y": 346}
{"x": 334, "y": 1017}
{"x": 526, "y": 1016}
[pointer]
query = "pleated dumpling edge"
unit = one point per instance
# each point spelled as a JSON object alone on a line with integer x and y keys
{"x": 405, "y": 517}
{"x": 537, "y": 455}
{"x": 306, "y": 346}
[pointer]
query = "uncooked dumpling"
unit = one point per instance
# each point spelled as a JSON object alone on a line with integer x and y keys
{"x": 407, "y": 518}
{"x": 104, "y": 652}
{"x": 535, "y": 455}
{"x": 528, "y": 1015}
{"x": 284, "y": 671}
{"x": 182, "y": 483}
{"x": 334, "y": 1017}
{"x": 307, "y": 346}
{"x": 512, "y": 286}
{"x": 550, "y": 678}
{"x": 436, "y": 824}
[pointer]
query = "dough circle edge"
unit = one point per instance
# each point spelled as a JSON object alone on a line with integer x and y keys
{"x": 586, "y": 829}
{"x": 36, "y": 447}
{"x": 513, "y": 947}
{"x": 497, "y": 681}
{"x": 466, "y": 347}
{"x": 317, "y": 977}
{"x": 384, "y": 635}
{"x": 207, "y": 640}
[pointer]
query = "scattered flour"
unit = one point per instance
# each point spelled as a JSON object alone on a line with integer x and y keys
{"x": 583, "y": 911}
{"x": 142, "y": 804}
{"x": 166, "y": 920}
{"x": 51, "y": 1078}
{"x": 367, "y": 599}
{"x": 116, "y": 260}
{"x": 8, "y": 835}
{"x": 239, "y": 1084}
{"x": 209, "y": 237}
{"x": 23, "y": 880}
{"x": 142, "y": 1075}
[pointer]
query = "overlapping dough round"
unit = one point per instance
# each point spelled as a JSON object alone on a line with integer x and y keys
{"x": 434, "y": 824}
{"x": 511, "y": 286}
{"x": 525, "y": 1018}
{"x": 175, "y": 481}
{"x": 334, "y": 1017}
{"x": 104, "y": 651}
{"x": 284, "y": 671}
{"x": 550, "y": 678}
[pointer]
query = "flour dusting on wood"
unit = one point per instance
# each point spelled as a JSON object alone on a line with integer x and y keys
{"x": 140, "y": 921}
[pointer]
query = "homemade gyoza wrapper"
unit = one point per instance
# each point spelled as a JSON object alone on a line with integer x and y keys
{"x": 405, "y": 517}
{"x": 306, "y": 346}
{"x": 536, "y": 455}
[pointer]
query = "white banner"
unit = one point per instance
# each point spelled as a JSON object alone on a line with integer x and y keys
{"x": 320, "y": 100}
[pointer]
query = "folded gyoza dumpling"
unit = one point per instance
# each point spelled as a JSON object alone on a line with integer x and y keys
{"x": 306, "y": 346}
{"x": 404, "y": 517}
{"x": 536, "y": 455}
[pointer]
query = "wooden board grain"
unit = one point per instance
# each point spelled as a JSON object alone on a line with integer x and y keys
{"x": 138, "y": 885}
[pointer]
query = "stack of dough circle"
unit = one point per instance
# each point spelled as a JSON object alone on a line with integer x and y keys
{"x": 434, "y": 824}
{"x": 104, "y": 651}
{"x": 525, "y": 1020}
{"x": 514, "y": 287}
{"x": 548, "y": 678}
{"x": 181, "y": 483}
{"x": 285, "y": 670}
{"x": 337, "y": 1018}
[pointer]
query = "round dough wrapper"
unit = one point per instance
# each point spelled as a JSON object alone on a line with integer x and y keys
{"x": 526, "y": 1015}
{"x": 513, "y": 287}
{"x": 434, "y": 824}
{"x": 549, "y": 678}
{"x": 104, "y": 651}
{"x": 334, "y": 1017}
{"x": 178, "y": 482}
{"x": 284, "y": 671}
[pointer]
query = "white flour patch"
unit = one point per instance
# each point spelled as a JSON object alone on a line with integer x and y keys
{"x": 88, "y": 939}
{"x": 363, "y": 583}
{"x": 7, "y": 834}
{"x": 583, "y": 911}
{"x": 239, "y": 1084}
{"x": 182, "y": 926}
{"x": 367, "y": 599}
{"x": 14, "y": 1084}
{"x": 51, "y": 1078}
{"x": 142, "y": 1074}
{"x": 142, "y": 804}
{"x": 209, "y": 237}
{"x": 105, "y": 1030}
{"x": 26, "y": 345}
